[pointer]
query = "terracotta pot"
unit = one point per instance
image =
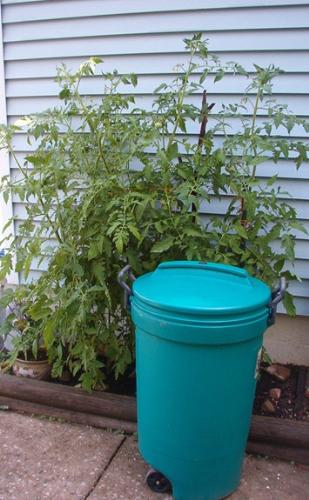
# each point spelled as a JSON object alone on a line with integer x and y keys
{"x": 39, "y": 369}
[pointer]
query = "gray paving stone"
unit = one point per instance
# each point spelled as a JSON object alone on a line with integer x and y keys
{"x": 124, "y": 478}
{"x": 42, "y": 459}
{"x": 266, "y": 479}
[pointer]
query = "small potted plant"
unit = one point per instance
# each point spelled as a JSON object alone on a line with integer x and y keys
{"x": 27, "y": 355}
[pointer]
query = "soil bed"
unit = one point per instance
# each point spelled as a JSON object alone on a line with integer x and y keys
{"x": 291, "y": 404}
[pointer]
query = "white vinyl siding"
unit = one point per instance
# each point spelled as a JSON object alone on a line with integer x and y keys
{"x": 146, "y": 38}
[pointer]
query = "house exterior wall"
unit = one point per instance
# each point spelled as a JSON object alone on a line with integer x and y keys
{"x": 146, "y": 38}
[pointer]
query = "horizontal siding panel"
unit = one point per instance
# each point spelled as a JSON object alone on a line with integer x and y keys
{"x": 299, "y": 288}
{"x": 39, "y": 264}
{"x": 231, "y": 84}
{"x": 299, "y": 235}
{"x": 13, "y": 2}
{"x": 49, "y": 240}
{"x": 34, "y": 275}
{"x": 284, "y": 169}
{"x": 20, "y": 212}
{"x": 220, "y": 206}
{"x": 21, "y": 144}
{"x": 215, "y": 207}
{"x": 297, "y": 189}
{"x": 302, "y": 307}
{"x": 36, "y": 10}
{"x": 288, "y": 167}
{"x": 210, "y": 4}
{"x": 153, "y": 64}
{"x": 301, "y": 249}
{"x": 157, "y": 43}
{"x": 301, "y": 268}
{"x": 23, "y": 106}
{"x": 285, "y": 17}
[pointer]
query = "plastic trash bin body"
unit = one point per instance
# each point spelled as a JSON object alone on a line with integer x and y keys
{"x": 199, "y": 331}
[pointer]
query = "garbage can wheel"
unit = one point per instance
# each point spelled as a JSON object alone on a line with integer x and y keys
{"x": 157, "y": 482}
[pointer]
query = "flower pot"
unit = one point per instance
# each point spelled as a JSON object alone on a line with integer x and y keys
{"x": 38, "y": 369}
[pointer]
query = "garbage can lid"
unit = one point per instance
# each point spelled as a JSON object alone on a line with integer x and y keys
{"x": 201, "y": 287}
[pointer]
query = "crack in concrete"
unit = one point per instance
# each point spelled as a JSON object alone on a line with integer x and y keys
{"x": 113, "y": 455}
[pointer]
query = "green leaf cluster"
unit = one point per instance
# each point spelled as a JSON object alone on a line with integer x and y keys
{"x": 108, "y": 183}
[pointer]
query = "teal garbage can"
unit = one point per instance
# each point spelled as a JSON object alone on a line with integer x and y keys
{"x": 199, "y": 331}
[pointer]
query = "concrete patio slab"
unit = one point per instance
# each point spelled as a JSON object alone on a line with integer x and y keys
{"x": 42, "y": 459}
{"x": 266, "y": 479}
{"x": 262, "y": 479}
{"x": 124, "y": 478}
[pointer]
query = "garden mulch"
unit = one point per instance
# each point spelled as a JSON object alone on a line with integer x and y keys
{"x": 292, "y": 404}
{"x": 42, "y": 459}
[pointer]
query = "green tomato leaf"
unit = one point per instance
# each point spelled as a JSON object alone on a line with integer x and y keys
{"x": 163, "y": 245}
{"x": 219, "y": 75}
{"x": 193, "y": 231}
{"x": 65, "y": 94}
{"x": 172, "y": 151}
{"x": 93, "y": 251}
{"x": 289, "y": 305}
{"x": 133, "y": 230}
{"x": 48, "y": 333}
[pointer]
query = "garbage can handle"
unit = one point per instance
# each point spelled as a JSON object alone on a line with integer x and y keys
{"x": 126, "y": 271}
{"x": 276, "y": 297}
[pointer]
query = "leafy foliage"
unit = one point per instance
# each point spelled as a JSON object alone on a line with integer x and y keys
{"x": 26, "y": 332}
{"x": 109, "y": 183}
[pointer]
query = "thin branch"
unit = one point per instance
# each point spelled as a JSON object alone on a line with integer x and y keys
{"x": 205, "y": 109}
{"x": 204, "y": 113}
